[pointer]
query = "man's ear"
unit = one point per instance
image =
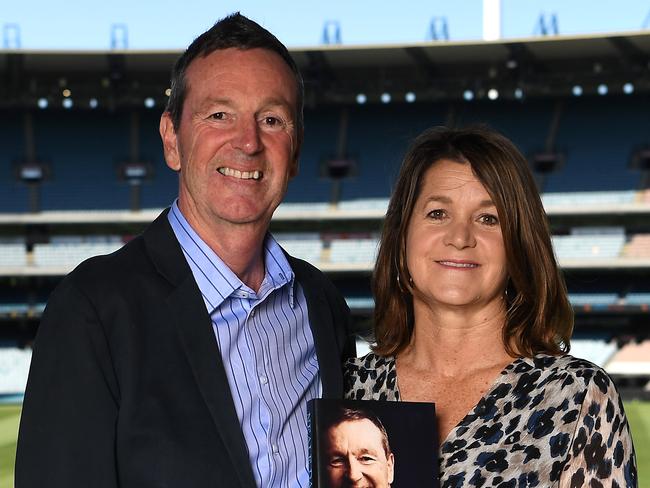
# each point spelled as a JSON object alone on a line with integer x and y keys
{"x": 296, "y": 154}
{"x": 170, "y": 142}
{"x": 390, "y": 465}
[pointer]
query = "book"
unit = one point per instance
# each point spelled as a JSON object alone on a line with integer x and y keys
{"x": 368, "y": 443}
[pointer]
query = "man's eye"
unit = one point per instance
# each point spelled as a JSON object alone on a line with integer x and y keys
{"x": 366, "y": 459}
{"x": 271, "y": 121}
{"x": 218, "y": 116}
{"x": 336, "y": 462}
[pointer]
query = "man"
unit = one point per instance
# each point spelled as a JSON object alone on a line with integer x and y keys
{"x": 186, "y": 358}
{"x": 357, "y": 451}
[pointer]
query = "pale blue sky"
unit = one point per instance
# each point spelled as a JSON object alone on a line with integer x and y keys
{"x": 164, "y": 24}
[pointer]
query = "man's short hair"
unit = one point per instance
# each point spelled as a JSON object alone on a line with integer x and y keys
{"x": 344, "y": 414}
{"x": 233, "y": 31}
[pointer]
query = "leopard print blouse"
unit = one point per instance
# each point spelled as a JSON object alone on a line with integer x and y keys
{"x": 546, "y": 422}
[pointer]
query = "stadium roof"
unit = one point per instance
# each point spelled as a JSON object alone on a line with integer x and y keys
{"x": 436, "y": 70}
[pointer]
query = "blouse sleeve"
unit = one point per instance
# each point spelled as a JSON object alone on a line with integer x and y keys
{"x": 601, "y": 453}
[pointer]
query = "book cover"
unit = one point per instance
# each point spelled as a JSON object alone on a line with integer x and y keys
{"x": 363, "y": 443}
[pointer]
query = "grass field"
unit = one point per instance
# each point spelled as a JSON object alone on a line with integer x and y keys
{"x": 638, "y": 414}
{"x": 9, "y": 416}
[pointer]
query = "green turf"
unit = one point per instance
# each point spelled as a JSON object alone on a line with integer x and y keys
{"x": 638, "y": 414}
{"x": 9, "y": 417}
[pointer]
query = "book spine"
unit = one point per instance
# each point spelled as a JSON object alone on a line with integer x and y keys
{"x": 313, "y": 442}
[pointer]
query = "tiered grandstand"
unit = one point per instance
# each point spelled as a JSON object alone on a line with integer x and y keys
{"x": 82, "y": 180}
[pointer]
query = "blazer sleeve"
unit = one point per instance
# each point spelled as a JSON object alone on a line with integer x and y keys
{"x": 68, "y": 423}
{"x": 349, "y": 342}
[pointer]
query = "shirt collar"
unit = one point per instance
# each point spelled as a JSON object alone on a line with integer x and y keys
{"x": 215, "y": 279}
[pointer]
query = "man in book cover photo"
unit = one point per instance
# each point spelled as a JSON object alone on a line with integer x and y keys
{"x": 357, "y": 451}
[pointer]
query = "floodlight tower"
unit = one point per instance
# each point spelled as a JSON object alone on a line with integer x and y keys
{"x": 491, "y": 20}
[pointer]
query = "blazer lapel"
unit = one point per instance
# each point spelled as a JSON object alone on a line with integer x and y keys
{"x": 194, "y": 327}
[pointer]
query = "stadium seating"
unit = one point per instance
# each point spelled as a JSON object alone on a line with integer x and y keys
{"x": 360, "y": 303}
{"x": 593, "y": 299}
{"x": 638, "y": 298}
{"x": 13, "y": 254}
{"x": 588, "y": 246}
{"x": 599, "y": 198}
{"x": 307, "y": 246}
{"x": 321, "y": 133}
{"x": 353, "y": 250}
{"x": 14, "y": 367}
{"x": 85, "y": 148}
{"x": 638, "y": 246}
{"x": 598, "y": 148}
{"x": 632, "y": 359}
{"x": 598, "y": 351}
{"x": 72, "y": 250}
{"x": 14, "y": 195}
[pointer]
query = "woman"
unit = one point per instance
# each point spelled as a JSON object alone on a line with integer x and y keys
{"x": 472, "y": 314}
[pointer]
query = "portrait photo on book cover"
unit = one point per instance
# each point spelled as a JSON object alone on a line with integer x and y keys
{"x": 372, "y": 444}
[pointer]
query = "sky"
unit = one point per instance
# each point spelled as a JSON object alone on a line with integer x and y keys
{"x": 166, "y": 24}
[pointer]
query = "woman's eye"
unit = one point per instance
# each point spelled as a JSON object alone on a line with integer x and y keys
{"x": 489, "y": 219}
{"x": 437, "y": 214}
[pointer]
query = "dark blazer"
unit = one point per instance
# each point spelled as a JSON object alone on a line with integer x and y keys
{"x": 127, "y": 387}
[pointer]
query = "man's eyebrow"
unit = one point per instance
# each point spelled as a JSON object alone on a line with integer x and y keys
{"x": 216, "y": 101}
{"x": 275, "y": 102}
{"x": 368, "y": 450}
{"x": 272, "y": 102}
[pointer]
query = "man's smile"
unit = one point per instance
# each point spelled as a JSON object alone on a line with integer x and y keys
{"x": 242, "y": 175}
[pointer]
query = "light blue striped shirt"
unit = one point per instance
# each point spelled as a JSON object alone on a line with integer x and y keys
{"x": 268, "y": 352}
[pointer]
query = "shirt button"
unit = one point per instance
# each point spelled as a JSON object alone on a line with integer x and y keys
{"x": 274, "y": 449}
{"x": 253, "y": 313}
{"x": 263, "y": 379}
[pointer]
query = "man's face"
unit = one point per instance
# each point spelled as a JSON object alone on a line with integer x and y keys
{"x": 356, "y": 457}
{"x": 236, "y": 147}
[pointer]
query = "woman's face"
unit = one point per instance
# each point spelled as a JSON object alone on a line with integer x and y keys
{"x": 454, "y": 246}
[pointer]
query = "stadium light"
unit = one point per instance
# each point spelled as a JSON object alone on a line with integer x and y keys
{"x": 519, "y": 93}
{"x": 602, "y": 89}
{"x": 409, "y": 97}
{"x": 361, "y": 98}
{"x": 577, "y": 90}
{"x": 66, "y": 93}
{"x": 42, "y": 103}
{"x": 149, "y": 102}
{"x": 385, "y": 98}
{"x": 468, "y": 95}
{"x": 67, "y": 103}
{"x": 628, "y": 88}
{"x": 93, "y": 103}
{"x": 493, "y": 94}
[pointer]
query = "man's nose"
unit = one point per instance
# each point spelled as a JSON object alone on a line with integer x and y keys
{"x": 247, "y": 136}
{"x": 354, "y": 470}
{"x": 460, "y": 234}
